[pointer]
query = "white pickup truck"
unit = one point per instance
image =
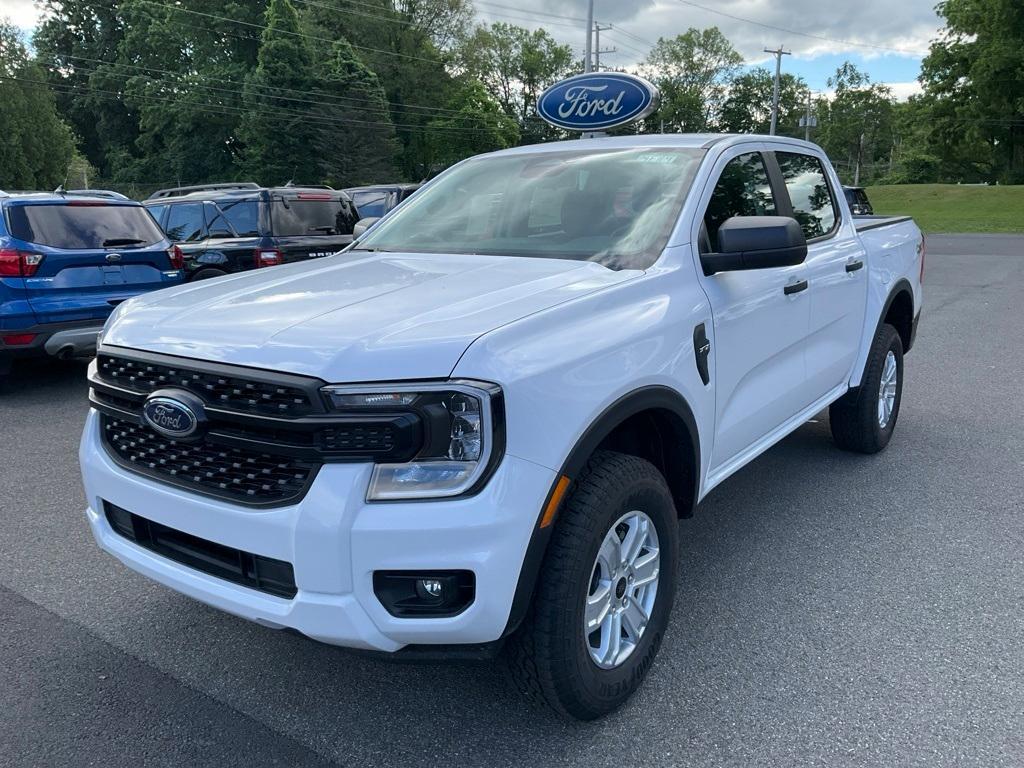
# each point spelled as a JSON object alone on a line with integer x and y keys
{"x": 477, "y": 426}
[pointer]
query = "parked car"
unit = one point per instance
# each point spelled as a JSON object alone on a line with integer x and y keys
{"x": 858, "y": 201}
{"x": 225, "y": 228}
{"x": 376, "y": 200}
{"x": 66, "y": 260}
{"x": 480, "y": 424}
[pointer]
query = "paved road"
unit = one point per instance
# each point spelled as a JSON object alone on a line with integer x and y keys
{"x": 832, "y": 609}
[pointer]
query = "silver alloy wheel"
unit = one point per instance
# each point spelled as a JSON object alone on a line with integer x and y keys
{"x": 623, "y": 588}
{"x": 887, "y": 390}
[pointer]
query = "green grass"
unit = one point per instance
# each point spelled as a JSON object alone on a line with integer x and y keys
{"x": 952, "y": 207}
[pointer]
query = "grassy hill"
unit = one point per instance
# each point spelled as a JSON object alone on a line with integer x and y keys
{"x": 952, "y": 207}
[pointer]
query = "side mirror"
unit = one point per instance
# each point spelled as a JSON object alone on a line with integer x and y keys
{"x": 756, "y": 242}
{"x": 362, "y": 225}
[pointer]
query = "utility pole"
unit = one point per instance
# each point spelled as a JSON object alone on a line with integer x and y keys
{"x": 807, "y": 118}
{"x": 588, "y": 57}
{"x": 597, "y": 45}
{"x": 778, "y": 53}
{"x": 860, "y": 154}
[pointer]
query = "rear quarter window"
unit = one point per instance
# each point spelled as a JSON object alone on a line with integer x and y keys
{"x": 243, "y": 216}
{"x": 82, "y": 226}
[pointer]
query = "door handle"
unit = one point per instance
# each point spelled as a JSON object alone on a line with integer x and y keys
{"x": 792, "y": 288}
{"x": 853, "y": 266}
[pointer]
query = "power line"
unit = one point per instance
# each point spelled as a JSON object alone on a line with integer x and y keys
{"x": 227, "y": 109}
{"x": 795, "y": 32}
{"x": 315, "y": 38}
{"x": 319, "y": 95}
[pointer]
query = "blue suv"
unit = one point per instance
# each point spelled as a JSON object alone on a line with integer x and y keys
{"x": 66, "y": 260}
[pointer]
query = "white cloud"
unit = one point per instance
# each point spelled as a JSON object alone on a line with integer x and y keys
{"x": 22, "y": 13}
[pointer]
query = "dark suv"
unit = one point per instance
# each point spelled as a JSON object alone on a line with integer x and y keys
{"x": 223, "y": 228}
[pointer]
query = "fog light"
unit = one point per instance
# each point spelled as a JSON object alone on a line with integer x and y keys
{"x": 429, "y": 589}
{"x": 434, "y": 594}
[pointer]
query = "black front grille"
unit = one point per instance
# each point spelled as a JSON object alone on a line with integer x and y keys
{"x": 231, "y": 391}
{"x": 232, "y": 473}
{"x": 275, "y": 577}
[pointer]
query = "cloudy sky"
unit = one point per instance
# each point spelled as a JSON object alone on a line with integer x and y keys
{"x": 887, "y": 38}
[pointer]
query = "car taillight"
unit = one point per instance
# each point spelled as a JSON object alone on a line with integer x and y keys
{"x": 18, "y": 339}
{"x": 176, "y": 256}
{"x": 268, "y": 257}
{"x": 19, "y": 263}
{"x": 921, "y": 250}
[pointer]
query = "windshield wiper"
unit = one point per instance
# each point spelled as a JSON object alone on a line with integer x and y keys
{"x": 327, "y": 229}
{"x": 371, "y": 250}
{"x": 115, "y": 241}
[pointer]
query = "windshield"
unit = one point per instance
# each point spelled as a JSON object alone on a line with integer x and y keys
{"x": 615, "y": 206}
{"x": 84, "y": 225}
{"x": 311, "y": 214}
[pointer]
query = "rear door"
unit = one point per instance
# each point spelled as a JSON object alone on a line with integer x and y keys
{"x": 836, "y": 272}
{"x": 94, "y": 255}
{"x": 309, "y": 225}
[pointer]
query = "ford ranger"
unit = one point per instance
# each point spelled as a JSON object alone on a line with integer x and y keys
{"x": 478, "y": 426}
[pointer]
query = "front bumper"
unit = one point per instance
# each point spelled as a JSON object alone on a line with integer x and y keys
{"x": 335, "y": 541}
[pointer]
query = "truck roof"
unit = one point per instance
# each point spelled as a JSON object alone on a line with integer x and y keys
{"x": 680, "y": 140}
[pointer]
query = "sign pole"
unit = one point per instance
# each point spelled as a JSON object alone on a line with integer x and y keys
{"x": 588, "y": 55}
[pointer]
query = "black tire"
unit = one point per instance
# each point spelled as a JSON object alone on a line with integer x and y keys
{"x": 854, "y": 418}
{"x": 206, "y": 274}
{"x": 548, "y": 656}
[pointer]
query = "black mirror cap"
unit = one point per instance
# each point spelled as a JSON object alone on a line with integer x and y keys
{"x": 756, "y": 242}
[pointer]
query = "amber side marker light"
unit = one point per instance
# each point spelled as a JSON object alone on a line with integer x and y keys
{"x": 556, "y": 498}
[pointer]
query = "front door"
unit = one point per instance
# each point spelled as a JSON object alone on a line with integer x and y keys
{"x": 759, "y": 328}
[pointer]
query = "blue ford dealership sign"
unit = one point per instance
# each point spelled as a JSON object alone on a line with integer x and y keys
{"x": 595, "y": 101}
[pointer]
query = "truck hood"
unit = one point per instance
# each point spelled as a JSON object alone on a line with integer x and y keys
{"x": 353, "y": 317}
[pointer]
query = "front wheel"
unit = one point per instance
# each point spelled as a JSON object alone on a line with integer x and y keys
{"x": 604, "y": 592}
{"x": 863, "y": 419}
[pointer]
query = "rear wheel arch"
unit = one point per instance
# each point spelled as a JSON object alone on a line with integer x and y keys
{"x": 899, "y": 313}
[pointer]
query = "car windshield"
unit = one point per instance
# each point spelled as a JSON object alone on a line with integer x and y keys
{"x": 613, "y": 206}
{"x": 84, "y": 225}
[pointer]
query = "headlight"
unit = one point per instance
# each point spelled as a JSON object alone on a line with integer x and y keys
{"x": 462, "y": 435}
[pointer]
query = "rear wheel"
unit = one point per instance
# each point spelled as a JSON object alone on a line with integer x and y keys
{"x": 604, "y": 592}
{"x": 863, "y": 420}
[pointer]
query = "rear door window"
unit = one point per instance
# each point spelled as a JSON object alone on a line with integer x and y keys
{"x": 311, "y": 216}
{"x": 809, "y": 191}
{"x": 84, "y": 226}
{"x": 743, "y": 189}
{"x": 185, "y": 223}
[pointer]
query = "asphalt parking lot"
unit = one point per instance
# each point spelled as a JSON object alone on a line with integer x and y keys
{"x": 832, "y": 609}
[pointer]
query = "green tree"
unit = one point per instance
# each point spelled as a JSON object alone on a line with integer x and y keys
{"x": 492, "y": 129}
{"x": 280, "y": 144}
{"x": 856, "y": 126}
{"x": 74, "y": 37}
{"x": 693, "y": 71}
{"x": 358, "y": 146}
{"x": 37, "y": 145}
{"x": 516, "y": 65}
{"x": 747, "y": 106}
{"x": 975, "y": 74}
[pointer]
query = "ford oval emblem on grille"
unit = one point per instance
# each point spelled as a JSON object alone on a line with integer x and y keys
{"x": 174, "y": 416}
